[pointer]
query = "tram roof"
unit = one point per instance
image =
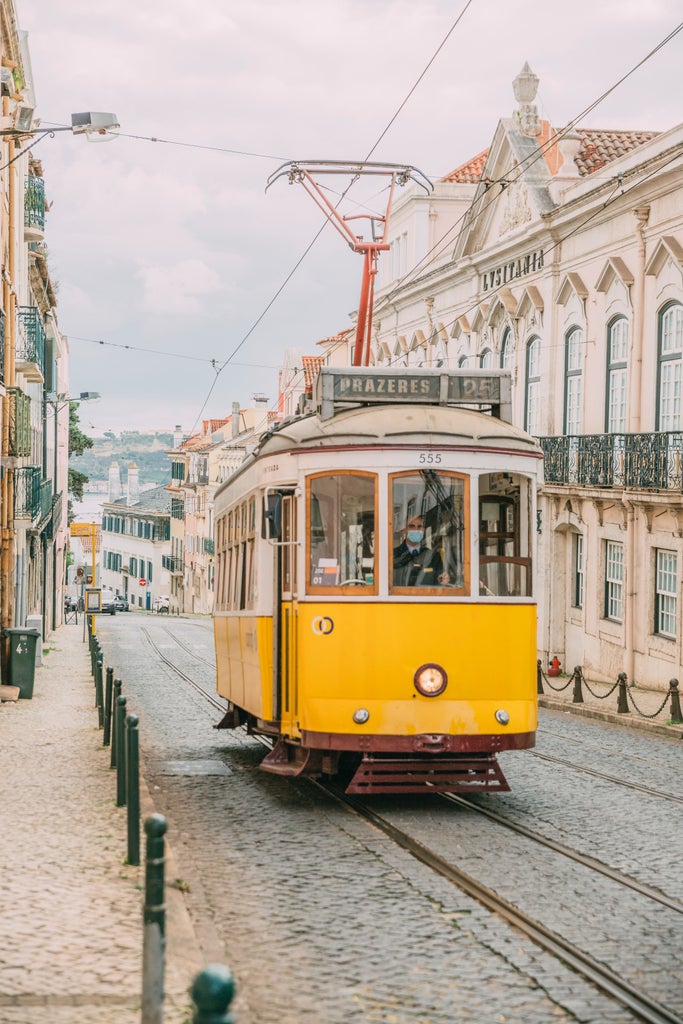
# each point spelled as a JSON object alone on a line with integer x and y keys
{"x": 391, "y": 424}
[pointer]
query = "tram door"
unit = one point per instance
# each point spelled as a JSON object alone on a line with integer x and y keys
{"x": 289, "y": 611}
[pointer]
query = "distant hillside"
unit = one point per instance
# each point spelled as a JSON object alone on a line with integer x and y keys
{"x": 147, "y": 451}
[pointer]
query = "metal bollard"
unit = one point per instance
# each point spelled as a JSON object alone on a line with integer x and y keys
{"x": 114, "y": 749}
{"x": 99, "y": 701}
{"x": 676, "y": 716}
{"x": 578, "y": 693}
{"x": 212, "y": 993}
{"x": 108, "y": 694}
{"x": 154, "y": 935}
{"x": 622, "y": 701}
{"x": 133, "y": 787}
{"x": 539, "y": 677}
{"x": 120, "y": 740}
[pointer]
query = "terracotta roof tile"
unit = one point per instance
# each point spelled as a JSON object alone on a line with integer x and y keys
{"x": 311, "y": 365}
{"x": 599, "y": 147}
{"x": 468, "y": 173}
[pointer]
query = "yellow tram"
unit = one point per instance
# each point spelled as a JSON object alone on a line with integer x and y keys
{"x": 375, "y": 611}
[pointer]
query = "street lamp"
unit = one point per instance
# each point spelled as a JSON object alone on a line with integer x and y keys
{"x": 88, "y": 123}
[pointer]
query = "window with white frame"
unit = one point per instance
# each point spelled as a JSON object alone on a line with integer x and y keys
{"x": 532, "y": 414}
{"x": 486, "y": 359}
{"x": 578, "y": 571}
{"x": 617, "y": 375}
{"x": 666, "y": 589}
{"x": 614, "y": 580}
{"x": 669, "y": 370}
{"x": 573, "y": 401}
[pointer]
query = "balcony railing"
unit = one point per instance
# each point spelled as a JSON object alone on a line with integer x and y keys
{"x": 45, "y": 495}
{"x": 34, "y": 204}
{"x": 19, "y": 406}
{"x": 177, "y": 508}
{"x": 173, "y": 564}
{"x": 27, "y": 492}
{"x": 31, "y": 341}
{"x": 635, "y": 461}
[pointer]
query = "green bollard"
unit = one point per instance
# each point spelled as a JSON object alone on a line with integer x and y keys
{"x": 133, "y": 787}
{"x": 120, "y": 739}
{"x": 108, "y": 694}
{"x": 114, "y": 749}
{"x": 154, "y": 917}
{"x": 99, "y": 701}
{"x": 212, "y": 993}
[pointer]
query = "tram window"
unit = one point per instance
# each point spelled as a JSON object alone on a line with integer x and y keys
{"x": 341, "y": 511}
{"x": 504, "y": 535}
{"x": 429, "y": 531}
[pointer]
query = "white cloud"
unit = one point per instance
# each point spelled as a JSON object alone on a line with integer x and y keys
{"x": 179, "y": 288}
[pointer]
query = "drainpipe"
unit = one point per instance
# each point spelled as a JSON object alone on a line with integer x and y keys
{"x": 642, "y": 214}
{"x": 7, "y": 513}
{"x": 630, "y": 589}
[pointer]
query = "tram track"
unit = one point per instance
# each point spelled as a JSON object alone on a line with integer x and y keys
{"x": 637, "y": 786}
{"x": 605, "y": 979}
{"x": 608, "y": 981}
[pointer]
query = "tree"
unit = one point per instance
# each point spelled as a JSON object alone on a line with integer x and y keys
{"x": 78, "y": 443}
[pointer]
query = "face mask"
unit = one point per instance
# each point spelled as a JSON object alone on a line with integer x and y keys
{"x": 415, "y": 536}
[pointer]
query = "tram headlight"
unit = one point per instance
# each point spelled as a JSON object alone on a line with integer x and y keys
{"x": 502, "y": 717}
{"x": 361, "y": 716}
{"x": 430, "y": 680}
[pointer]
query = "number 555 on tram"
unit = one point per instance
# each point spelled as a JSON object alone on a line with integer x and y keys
{"x": 375, "y": 612}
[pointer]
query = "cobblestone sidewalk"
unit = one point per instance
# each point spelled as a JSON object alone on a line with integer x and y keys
{"x": 71, "y": 922}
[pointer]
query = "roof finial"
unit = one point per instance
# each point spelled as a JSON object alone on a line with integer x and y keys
{"x": 525, "y": 87}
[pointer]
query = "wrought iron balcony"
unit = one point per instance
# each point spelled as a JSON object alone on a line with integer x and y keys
{"x": 173, "y": 564}
{"x": 45, "y": 495}
{"x": 19, "y": 406}
{"x": 635, "y": 461}
{"x": 27, "y": 492}
{"x": 31, "y": 343}
{"x": 34, "y": 208}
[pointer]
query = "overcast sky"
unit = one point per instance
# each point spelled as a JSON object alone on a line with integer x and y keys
{"x": 180, "y": 250}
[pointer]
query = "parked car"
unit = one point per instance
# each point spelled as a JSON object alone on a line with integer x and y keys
{"x": 121, "y": 603}
{"x": 108, "y": 602}
{"x": 161, "y": 605}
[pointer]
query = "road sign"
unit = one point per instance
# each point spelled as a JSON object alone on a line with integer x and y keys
{"x": 143, "y": 583}
{"x": 82, "y": 529}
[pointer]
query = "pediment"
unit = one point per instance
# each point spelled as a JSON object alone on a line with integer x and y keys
{"x": 530, "y": 300}
{"x": 512, "y": 194}
{"x": 614, "y": 270}
{"x": 461, "y": 325}
{"x": 418, "y": 340}
{"x": 668, "y": 248}
{"x": 571, "y": 285}
{"x": 480, "y": 316}
{"x": 503, "y": 303}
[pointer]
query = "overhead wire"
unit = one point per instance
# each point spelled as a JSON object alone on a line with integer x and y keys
{"x": 324, "y": 225}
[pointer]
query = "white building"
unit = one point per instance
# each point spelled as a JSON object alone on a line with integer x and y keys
{"x": 135, "y": 541}
{"x": 560, "y": 257}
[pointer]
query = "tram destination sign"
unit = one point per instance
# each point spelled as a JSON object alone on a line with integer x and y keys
{"x": 340, "y": 388}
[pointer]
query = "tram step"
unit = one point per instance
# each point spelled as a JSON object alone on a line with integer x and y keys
{"x": 416, "y": 775}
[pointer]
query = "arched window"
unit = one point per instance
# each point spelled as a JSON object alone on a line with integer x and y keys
{"x": 462, "y": 363}
{"x": 507, "y": 351}
{"x": 573, "y": 382}
{"x": 486, "y": 359}
{"x": 532, "y": 411}
{"x": 617, "y": 375}
{"x": 669, "y": 371}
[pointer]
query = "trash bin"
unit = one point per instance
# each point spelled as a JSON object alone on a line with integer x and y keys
{"x": 22, "y": 659}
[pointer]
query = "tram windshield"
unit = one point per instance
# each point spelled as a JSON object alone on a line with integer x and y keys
{"x": 504, "y": 535}
{"x": 428, "y": 530}
{"x": 341, "y": 536}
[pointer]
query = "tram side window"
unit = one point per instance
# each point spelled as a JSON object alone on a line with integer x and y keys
{"x": 504, "y": 535}
{"x": 341, "y": 530}
{"x": 429, "y": 520}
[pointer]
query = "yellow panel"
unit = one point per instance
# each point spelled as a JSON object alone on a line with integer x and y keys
{"x": 366, "y": 655}
{"x": 244, "y": 662}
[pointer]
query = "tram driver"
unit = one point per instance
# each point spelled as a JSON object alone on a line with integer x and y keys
{"x": 415, "y": 564}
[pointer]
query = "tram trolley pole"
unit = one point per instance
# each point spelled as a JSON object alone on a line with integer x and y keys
{"x": 133, "y": 788}
{"x": 154, "y": 920}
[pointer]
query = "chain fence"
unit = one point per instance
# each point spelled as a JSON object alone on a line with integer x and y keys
{"x": 626, "y": 701}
